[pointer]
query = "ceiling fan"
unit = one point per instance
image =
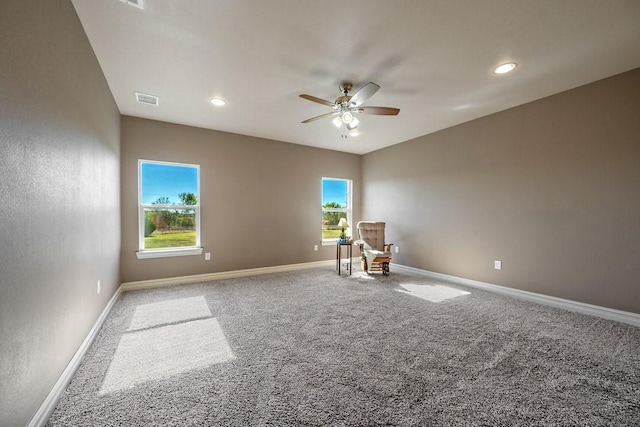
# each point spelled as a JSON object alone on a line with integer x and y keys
{"x": 347, "y": 106}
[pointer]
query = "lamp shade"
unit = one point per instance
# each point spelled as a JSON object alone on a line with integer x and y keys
{"x": 343, "y": 223}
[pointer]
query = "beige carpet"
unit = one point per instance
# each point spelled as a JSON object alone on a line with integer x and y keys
{"x": 310, "y": 348}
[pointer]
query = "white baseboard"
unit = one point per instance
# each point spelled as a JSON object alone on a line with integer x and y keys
{"x": 197, "y": 278}
{"x": 575, "y": 306}
{"x": 46, "y": 408}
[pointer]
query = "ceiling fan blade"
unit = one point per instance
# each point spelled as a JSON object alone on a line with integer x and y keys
{"x": 313, "y": 119}
{"x": 318, "y": 100}
{"x": 380, "y": 111}
{"x": 364, "y": 93}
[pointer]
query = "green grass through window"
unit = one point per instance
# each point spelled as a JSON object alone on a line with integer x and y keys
{"x": 170, "y": 240}
{"x": 332, "y": 234}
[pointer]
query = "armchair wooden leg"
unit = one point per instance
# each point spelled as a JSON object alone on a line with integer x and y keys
{"x": 385, "y": 268}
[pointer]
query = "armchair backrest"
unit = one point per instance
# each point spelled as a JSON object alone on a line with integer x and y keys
{"x": 372, "y": 233}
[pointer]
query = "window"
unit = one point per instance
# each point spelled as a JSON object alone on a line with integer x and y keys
{"x": 169, "y": 209}
{"x": 336, "y": 204}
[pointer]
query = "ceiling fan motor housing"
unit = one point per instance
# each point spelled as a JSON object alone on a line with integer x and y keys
{"x": 345, "y": 87}
{"x": 342, "y": 102}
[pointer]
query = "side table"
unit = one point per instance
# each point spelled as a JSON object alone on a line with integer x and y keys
{"x": 346, "y": 261}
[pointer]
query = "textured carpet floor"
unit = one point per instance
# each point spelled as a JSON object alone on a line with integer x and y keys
{"x": 310, "y": 348}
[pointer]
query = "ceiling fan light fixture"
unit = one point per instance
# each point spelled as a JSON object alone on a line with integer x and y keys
{"x": 353, "y": 124}
{"x": 337, "y": 122}
{"x": 505, "y": 68}
{"x": 347, "y": 117}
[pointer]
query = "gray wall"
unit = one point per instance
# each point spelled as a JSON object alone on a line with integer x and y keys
{"x": 550, "y": 188}
{"x": 60, "y": 192}
{"x": 260, "y": 199}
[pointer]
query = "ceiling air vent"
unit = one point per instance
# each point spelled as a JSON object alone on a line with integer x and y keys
{"x": 143, "y": 98}
{"x": 136, "y": 3}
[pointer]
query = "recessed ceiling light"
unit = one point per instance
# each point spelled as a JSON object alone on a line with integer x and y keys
{"x": 505, "y": 68}
{"x": 218, "y": 102}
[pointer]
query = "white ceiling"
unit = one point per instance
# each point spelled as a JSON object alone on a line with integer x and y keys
{"x": 432, "y": 59}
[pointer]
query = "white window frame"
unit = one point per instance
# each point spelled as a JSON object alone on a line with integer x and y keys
{"x": 166, "y": 252}
{"x": 347, "y": 211}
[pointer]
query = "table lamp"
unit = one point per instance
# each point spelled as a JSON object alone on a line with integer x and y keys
{"x": 343, "y": 224}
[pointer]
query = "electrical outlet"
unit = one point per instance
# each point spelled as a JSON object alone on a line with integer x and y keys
{"x": 315, "y": 248}
{"x": 98, "y": 286}
{"x": 497, "y": 265}
{"x": 397, "y": 249}
{"x": 207, "y": 256}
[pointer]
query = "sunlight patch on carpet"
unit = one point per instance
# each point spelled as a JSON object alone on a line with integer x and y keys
{"x": 362, "y": 275}
{"x": 167, "y": 312}
{"x": 433, "y": 293}
{"x": 156, "y": 353}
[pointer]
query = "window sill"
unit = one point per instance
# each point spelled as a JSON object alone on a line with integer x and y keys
{"x": 165, "y": 253}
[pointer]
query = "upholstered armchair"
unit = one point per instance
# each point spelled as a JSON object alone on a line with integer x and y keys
{"x": 376, "y": 254}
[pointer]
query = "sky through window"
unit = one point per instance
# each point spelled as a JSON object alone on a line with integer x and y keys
{"x": 334, "y": 191}
{"x": 160, "y": 180}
